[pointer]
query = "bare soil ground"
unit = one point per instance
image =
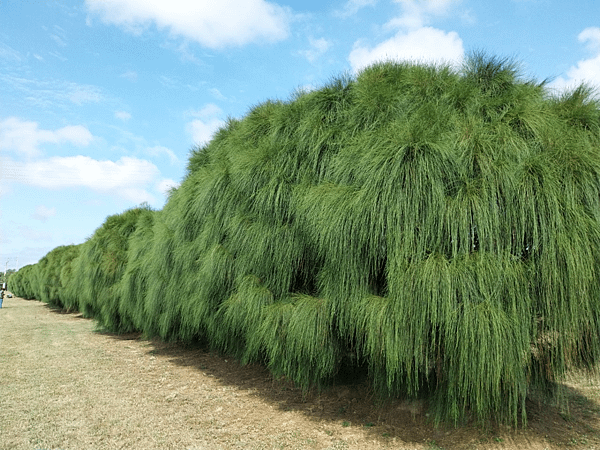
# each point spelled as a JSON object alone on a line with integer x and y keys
{"x": 65, "y": 385}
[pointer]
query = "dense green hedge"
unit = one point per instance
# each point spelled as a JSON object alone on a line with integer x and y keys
{"x": 438, "y": 226}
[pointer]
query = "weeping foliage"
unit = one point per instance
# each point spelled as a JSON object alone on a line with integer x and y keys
{"x": 54, "y": 273}
{"x": 97, "y": 272}
{"x": 47, "y": 280}
{"x": 438, "y": 226}
{"x": 21, "y": 282}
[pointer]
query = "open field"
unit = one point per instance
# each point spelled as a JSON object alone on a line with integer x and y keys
{"x": 65, "y": 385}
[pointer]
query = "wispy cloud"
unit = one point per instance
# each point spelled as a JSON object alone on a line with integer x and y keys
{"x": 80, "y": 94}
{"x": 52, "y": 93}
{"x": 212, "y": 24}
{"x": 59, "y": 41}
{"x": 25, "y": 137}
{"x": 353, "y": 6}
{"x": 122, "y": 115}
{"x": 8, "y": 53}
{"x": 217, "y": 94}
{"x": 169, "y": 82}
{"x": 43, "y": 213}
{"x": 58, "y": 56}
{"x": 182, "y": 47}
{"x": 130, "y": 75}
{"x": 318, "y": 47}
{"x": 209, "y": 110}
{"x": 159, "y": 150}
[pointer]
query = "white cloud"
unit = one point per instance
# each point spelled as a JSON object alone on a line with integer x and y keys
{"x": 317, "y": 48}
{"x": 43, "y": 213}
{"x": 418, "y": 13}
{"x": 75, "y": 134}
{"x": 586, "y": 70}
{"x": 415, "y": 39}
{"x": 25, "y": 137}
{"x": 214, "y": 24}
{"x": 128, "y": 177}
{"x": 205, "y": 125}
{"x": 122, "y": 115}
{"x": 202, "y": 131}
{"x": 427, "y": 45}
{"x": 591, "y": 36}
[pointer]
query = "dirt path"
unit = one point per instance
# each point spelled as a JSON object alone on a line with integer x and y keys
{"x": 65, "y": 386}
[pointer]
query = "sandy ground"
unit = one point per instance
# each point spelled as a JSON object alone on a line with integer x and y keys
{"x": 65, "y": 385}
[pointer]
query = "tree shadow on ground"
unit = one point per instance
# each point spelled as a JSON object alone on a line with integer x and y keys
{"x": 349, "y": 402}
{"x": 64, "y": 311}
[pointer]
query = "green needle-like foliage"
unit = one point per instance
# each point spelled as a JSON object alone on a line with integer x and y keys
{"x": 54, "y": 274}
{"x": 98, "y": 271}
{"x": 438, "y": 226}
{"x": 20, "y": 282}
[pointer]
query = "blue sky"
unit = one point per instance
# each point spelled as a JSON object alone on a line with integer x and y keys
{"x": 102, "y": 100}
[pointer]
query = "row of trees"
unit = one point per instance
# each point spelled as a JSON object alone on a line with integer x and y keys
{"x": 440, "y": 227}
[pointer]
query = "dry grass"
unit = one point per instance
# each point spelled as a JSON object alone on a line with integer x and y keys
{"x": 64, "y": 385}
